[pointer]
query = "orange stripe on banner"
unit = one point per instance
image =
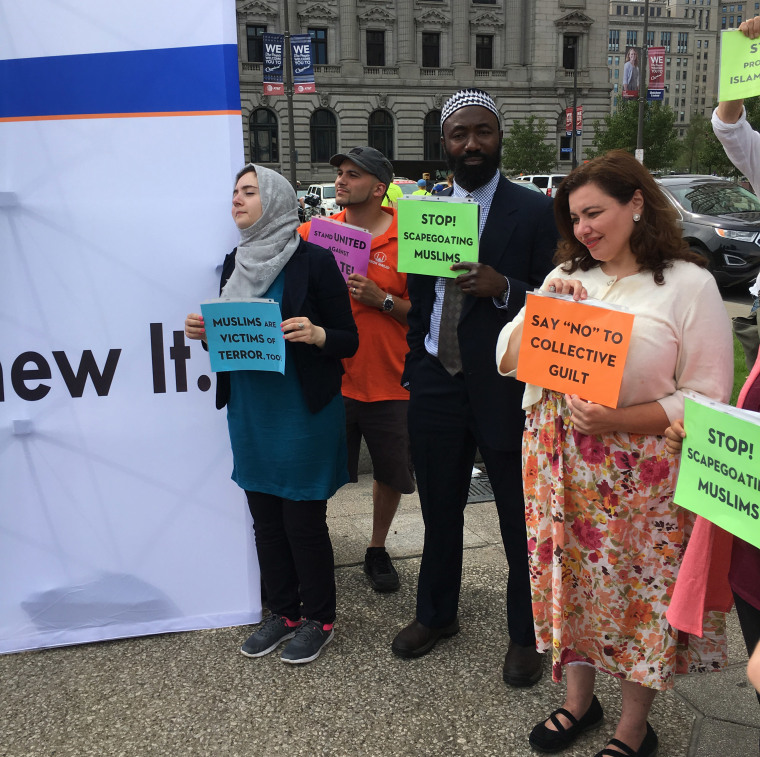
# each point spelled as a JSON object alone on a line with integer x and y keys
{"x": 125, "y": 115}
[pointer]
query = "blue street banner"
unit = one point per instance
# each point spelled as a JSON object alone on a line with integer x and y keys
{"x": 244, "y": 335}
{"x": 303, "y": 68}
{"x": 273, "y": 64}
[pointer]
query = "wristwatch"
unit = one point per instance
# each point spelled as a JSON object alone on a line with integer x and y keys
{"x": 388, "y": 303}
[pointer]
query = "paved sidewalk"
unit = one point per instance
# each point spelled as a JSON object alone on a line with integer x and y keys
{"x": 192, "y": 693}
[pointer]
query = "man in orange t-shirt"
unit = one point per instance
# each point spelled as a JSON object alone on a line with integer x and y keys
{"x": 376, "y": 404}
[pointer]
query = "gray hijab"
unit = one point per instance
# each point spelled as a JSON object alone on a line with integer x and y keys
{"x": 265, "y": 247}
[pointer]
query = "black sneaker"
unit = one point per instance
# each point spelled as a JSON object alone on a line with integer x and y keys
{"x": 271, "y": 632}
{"x": 380, "y": 571}
{"x": 307, "y": 644}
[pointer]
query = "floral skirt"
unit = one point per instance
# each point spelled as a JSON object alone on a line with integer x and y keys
{"x": 606, "y": 541}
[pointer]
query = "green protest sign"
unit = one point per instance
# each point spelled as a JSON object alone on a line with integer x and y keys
{"x": 434, "y": 233}
{"x": 720, "y": 476}
{"x": 739, "y": 66}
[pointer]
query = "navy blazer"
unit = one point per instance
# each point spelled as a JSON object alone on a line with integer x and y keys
{"x": 519, "y": 241}
{"x": 314, "y": 288}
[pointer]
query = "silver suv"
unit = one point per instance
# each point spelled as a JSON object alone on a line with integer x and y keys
{"x": 546, "y": 182}
{"x": 326, "y": 195}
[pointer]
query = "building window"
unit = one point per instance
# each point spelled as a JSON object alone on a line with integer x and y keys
{"x": 613, "y": 44}
{"x": 375, "y": 48}
{"x": 318, "y": 46}
{"x": 380, "y": 132}
{"x": 255, "y": 39}
{"x": 630, "y": 38}
{"x": 324, "y": 136}
{"x": 262, "y": 130}
{"x": 665, "y": 40}
{"x": 431, "y": 136}
{"x": 683, "y": 42}
{"x": 431, "y": 50}
{"x": 483, "y": 51}
{"x": 650, "y": 39}
{"x": 569, "y": 51}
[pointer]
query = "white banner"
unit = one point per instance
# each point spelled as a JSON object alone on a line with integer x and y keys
{"x": 120, "y": 134}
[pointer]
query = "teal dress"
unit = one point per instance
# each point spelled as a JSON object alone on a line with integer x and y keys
{"x": 278, "y": 446}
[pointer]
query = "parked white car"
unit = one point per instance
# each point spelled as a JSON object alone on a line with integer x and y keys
{"x": 546, "y": 182}
{"x": 326, "y": 194}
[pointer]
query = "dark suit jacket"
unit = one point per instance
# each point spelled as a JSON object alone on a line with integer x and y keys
{"x": 314, "y": 288}
{"x": 519, "y": 240}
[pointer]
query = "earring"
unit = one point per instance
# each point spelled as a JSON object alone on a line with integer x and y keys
{"x": 636, "y": 217}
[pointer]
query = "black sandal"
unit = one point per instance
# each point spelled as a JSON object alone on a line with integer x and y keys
{"x": 546, "y": 740}
{"x": 648, "y": 747}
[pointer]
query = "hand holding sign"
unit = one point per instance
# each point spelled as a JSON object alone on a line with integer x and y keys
{"x": 301, "y": 329}
{"x": 567, "y": 286}
{"x": 588, "y": 417}
{"x": 481, "y": 280}
{"x": 365, "y": 290}
{"x": 194, "y": 326}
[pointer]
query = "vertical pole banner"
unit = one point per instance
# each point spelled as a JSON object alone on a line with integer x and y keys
{"x": 656, "y": 68}
{"x": 120, "y": 133}
{"x": 631, "y": 74}
{"x": 303, "y": 68}
{"x": 273, "y": 64}
{"x": 579, "y": 120}
{"x": 569, "y": 122}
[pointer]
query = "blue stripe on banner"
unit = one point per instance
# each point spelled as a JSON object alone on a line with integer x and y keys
{"x": 180, "y": 79}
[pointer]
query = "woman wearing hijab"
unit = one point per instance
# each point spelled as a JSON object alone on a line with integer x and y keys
{"x": 288, "y": 431}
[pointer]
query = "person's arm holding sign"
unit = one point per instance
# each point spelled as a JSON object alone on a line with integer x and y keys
{"x": 740, "y": 141}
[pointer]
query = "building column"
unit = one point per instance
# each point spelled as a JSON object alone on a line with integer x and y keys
{"x": 461, "y": 30}
{"x": 514, "y": 33}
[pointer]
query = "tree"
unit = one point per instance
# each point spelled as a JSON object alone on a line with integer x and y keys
{"x": 694, "y": 141}
{"x": 712, "y": 157}
{"x": 525, "y": 149}
{"x": 661, "y": 144}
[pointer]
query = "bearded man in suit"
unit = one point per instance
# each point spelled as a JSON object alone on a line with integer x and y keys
{"x": 458, "y": 401}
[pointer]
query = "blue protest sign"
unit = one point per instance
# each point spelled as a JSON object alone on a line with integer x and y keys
{"x": 244, "y": 335}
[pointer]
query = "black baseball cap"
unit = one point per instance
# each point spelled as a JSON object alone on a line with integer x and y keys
{"x": 369, "y": 159}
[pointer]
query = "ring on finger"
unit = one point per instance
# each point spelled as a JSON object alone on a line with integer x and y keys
{"x": 301, "y": 326}
{"x": 552, "y": 288}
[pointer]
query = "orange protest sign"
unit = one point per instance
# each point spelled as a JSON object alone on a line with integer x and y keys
{"x": 575, "y": 348}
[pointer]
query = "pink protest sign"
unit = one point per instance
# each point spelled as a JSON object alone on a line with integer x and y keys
{"x": 349, "y": 244}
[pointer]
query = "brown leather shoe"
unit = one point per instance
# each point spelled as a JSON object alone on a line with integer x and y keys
{"x": 523, "y": 666}
{"x": 416, "y": 640}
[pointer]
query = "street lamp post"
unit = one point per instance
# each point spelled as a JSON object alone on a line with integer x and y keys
{"x": 575, "y": 101}
{"x": 289, "y": 96}
{"x": 643, "y": 84}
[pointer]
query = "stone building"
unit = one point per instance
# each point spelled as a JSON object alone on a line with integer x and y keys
{"x": 383, "y": 69}
{"x": 689, "y": 30}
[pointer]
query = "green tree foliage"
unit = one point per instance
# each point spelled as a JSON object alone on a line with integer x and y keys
{"x": 712, "y": 157}
{"x": 525, "y": 149}
{"x": 618, "y": 131}
{"x": 693, "y": 143}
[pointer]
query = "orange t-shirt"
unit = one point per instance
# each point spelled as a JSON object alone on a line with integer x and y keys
{"x": 373, "y": 374}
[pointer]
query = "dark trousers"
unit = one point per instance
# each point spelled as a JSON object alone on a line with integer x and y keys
{"x": 749, "y": 620}
{"x": 295, "y": 556}
{"x": 443, "y": 442}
